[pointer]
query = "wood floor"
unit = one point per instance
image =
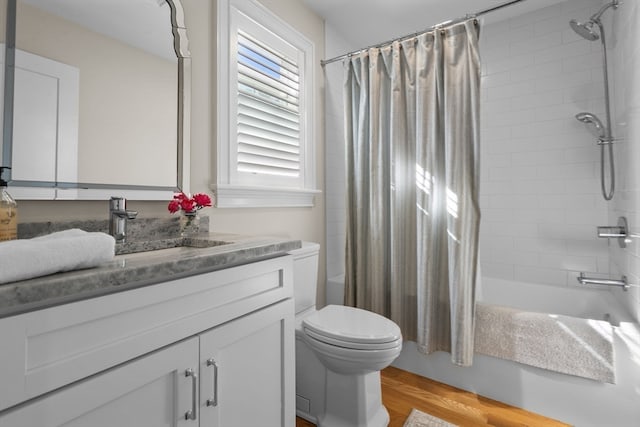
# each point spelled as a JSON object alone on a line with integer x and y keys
{"x": 402, "y": 391}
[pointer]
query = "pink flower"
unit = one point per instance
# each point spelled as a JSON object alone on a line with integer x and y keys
{"x": 202, "y": 200}
{"x": 184, "y": 202}
{"x": 174, "y": 206}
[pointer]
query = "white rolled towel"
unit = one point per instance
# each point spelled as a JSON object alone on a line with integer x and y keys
{"x": 56, "y": 252}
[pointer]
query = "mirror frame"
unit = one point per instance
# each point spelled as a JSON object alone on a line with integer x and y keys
{"x": 99, "y": 191}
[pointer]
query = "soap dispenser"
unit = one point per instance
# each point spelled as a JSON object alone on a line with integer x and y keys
{"x": 8, "y": 211}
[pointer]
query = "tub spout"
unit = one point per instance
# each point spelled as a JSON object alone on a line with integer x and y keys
{"x": 584, "y": 280}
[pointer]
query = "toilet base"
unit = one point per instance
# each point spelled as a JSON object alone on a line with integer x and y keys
{"x": 353, "y": 401}
{"x": 310, "y": 382}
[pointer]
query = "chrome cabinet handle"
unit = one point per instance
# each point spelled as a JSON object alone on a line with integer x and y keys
{"x": 214, "y": 400}
{"x": 193, "y": 413}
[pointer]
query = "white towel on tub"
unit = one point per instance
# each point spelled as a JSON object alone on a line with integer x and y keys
{"x": 566, "y": 344}
{"x": 62, "y": 251}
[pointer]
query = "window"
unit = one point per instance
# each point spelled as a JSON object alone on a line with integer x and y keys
{"x": 268, "y": 119}
{"x": 265, "y": 109}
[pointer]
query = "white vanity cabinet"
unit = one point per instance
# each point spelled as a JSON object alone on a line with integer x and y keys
{"x": 122, "y": 359}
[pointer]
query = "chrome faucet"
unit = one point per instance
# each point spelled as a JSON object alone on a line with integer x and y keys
{"x": 118, "y": 216}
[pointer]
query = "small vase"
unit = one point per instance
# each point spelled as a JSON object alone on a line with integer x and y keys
{"x": 189, "y": 224}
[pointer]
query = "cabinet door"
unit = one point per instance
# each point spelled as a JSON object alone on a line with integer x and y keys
{"x": 248, "y": 369}
{"x": 152, "y": 391}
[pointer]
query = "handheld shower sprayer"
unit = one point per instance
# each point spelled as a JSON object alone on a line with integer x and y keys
{"x": 594, "y": 126}
{"x": 603, "y": 133}
{"x": 599, "y": 131}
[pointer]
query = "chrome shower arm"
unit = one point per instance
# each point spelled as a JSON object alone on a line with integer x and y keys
{"x": 596, "y": 16}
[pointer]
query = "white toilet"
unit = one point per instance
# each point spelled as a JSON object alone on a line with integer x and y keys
{"x": 339, "y": 354}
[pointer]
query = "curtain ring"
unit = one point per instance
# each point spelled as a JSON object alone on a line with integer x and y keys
{"x": 443, "y": 33}
{"x": 475, "y": 22}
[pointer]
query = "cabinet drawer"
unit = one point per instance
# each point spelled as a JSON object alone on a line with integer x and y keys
{"x": 49, "y": 348}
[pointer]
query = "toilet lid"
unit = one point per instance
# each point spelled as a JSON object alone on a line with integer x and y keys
{"x": 352, "y": 345}
{"x": 352, "y": 327}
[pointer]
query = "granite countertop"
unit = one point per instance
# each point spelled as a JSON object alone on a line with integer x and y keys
{"x": 133, "y": 270}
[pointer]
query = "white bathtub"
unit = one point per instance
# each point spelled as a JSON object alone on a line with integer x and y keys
{"x": 587, "y": 303}
{"x": 571, "y": 399}
{"x": 335, "y": 290}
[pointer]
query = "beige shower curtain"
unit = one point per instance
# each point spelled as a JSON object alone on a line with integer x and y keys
{"x": 411, "y": 124}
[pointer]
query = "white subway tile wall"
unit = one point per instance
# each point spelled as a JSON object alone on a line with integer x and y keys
{"x": 335, "y": 160}
{"x": 625, "y": 77}
{"x": 540, "y": 191}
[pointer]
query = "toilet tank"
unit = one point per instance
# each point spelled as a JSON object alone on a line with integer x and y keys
{"x": 305, "y": 275}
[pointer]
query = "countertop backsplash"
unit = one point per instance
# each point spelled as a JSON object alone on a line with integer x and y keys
{"x": 137, "y": 229}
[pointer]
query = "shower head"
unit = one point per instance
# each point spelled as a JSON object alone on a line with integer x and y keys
{"x": 586, "y": 29}
{"x": 594, "y": 125}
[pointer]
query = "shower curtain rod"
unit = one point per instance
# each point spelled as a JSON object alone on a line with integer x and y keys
{"x": 433, "y": 27}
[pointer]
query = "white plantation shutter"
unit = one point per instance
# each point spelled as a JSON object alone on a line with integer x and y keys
{"x": 265, "y": 154}
{"x": 268, "y": 120}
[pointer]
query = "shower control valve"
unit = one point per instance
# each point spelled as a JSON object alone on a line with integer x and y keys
{"x": 620, "y": 232}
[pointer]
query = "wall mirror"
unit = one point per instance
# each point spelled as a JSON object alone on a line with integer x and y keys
{"x": 100, "y": 98}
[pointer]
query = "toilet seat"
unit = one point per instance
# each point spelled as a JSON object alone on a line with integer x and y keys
{"x": 352, "y": 328}
{"x": 351, "y": 345}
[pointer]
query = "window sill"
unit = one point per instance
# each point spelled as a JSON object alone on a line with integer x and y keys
{"x": 237, "y": 196}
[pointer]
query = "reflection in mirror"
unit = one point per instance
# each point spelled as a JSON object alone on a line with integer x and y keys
{"x": 96, "y": 94}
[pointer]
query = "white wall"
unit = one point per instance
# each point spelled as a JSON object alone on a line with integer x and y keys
{"x": 335, "y": 154}
{"x": 541, "y": 201}
{"x": 625, "y": 59}
{"x": 540, "y": 191}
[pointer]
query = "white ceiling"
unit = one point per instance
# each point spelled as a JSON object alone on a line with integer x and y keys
{"x": 361, "y": 23}
{"x": 366, "y": 22}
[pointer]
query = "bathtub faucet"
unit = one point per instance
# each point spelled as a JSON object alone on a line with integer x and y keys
{"x": 584, "y": 280}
